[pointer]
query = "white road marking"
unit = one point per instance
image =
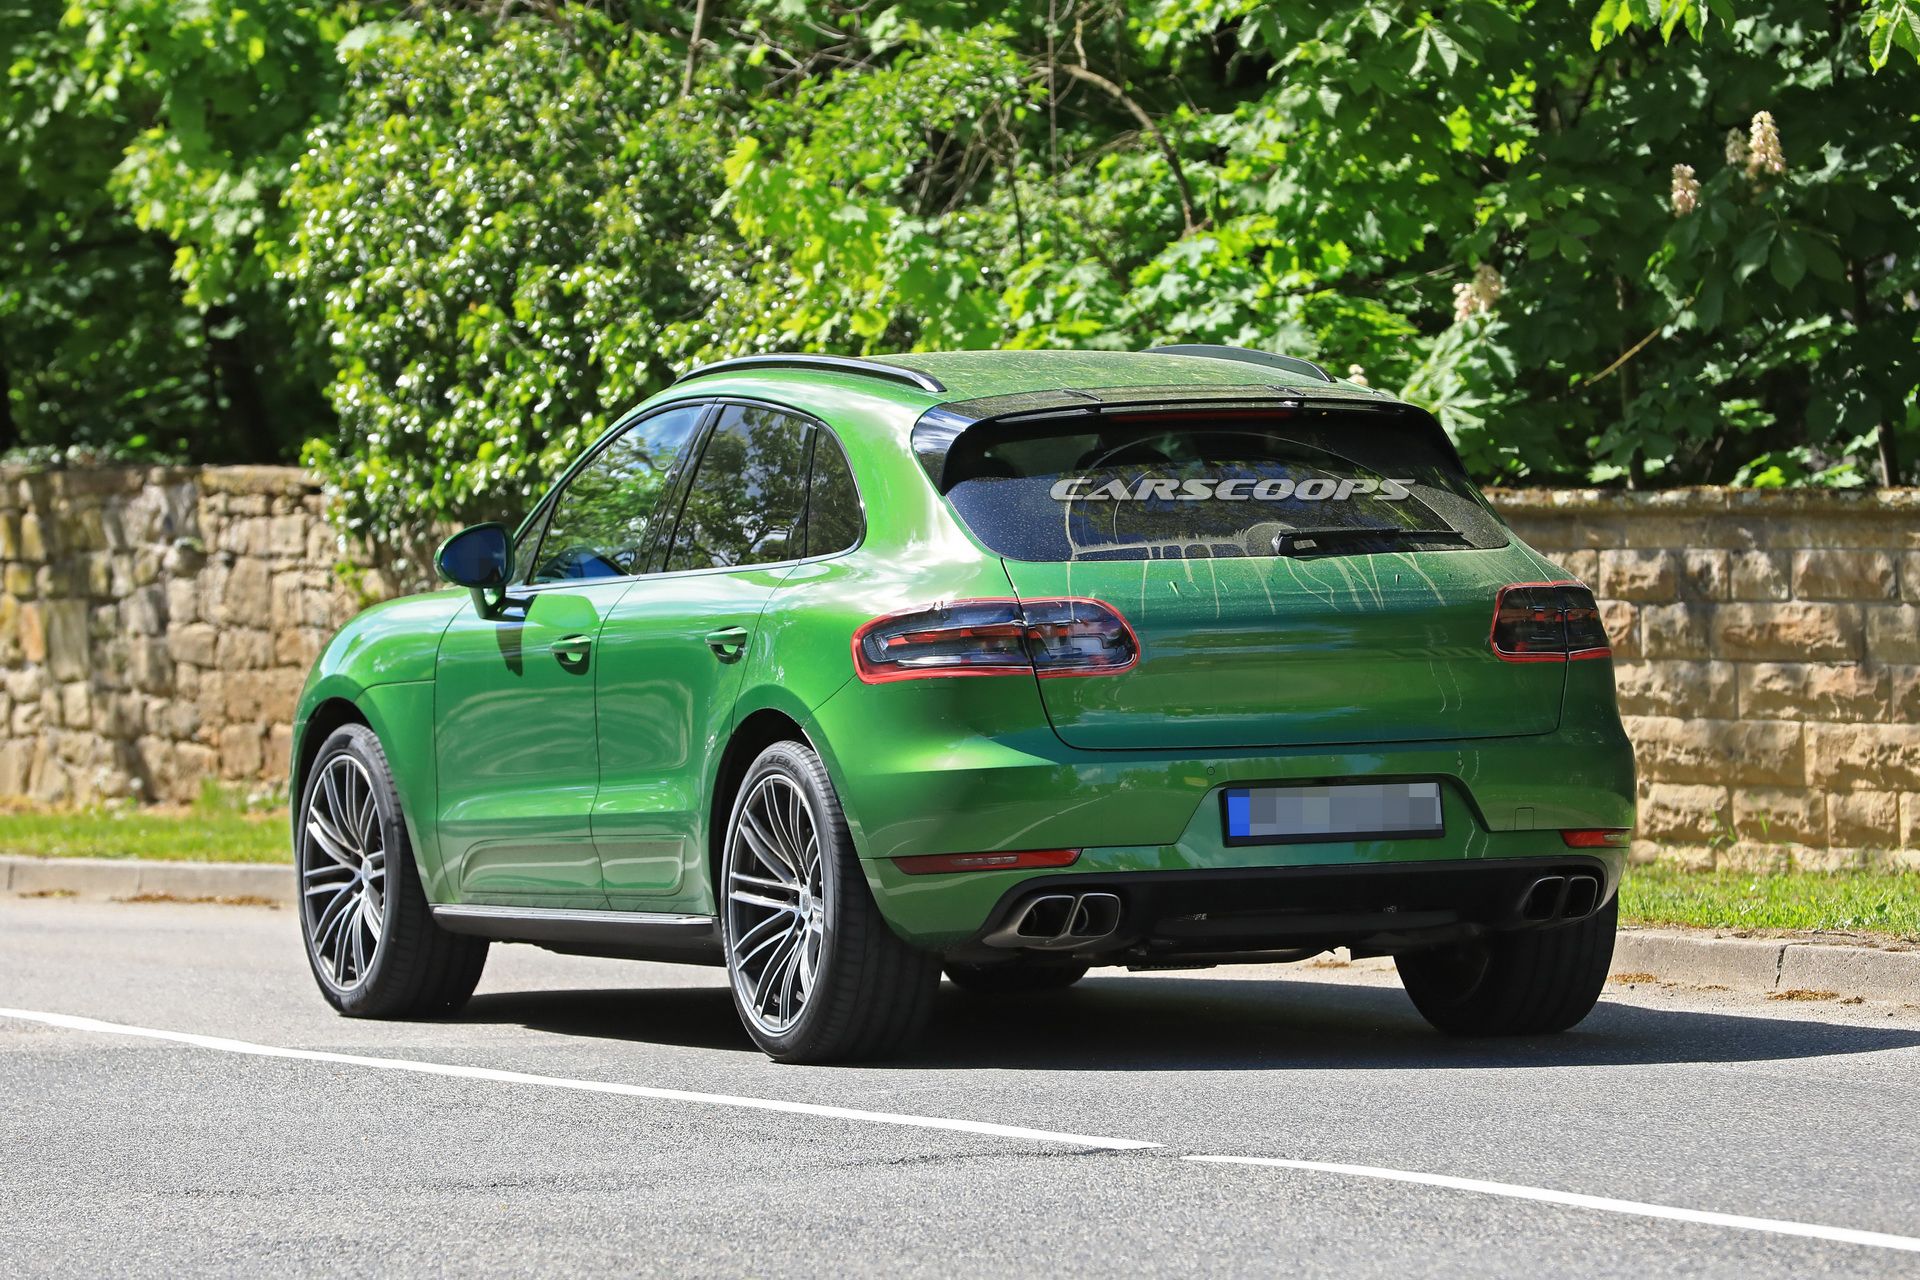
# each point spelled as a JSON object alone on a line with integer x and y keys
{"x": 72, "y": 1023}
{"x": 1604, "y": 1204}
{"x": 1775, "y": 1226}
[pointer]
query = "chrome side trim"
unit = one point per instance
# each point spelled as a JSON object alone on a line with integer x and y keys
{"x": 560, "y": 915}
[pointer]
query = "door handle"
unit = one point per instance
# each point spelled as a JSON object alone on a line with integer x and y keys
{"x": 572, "y": 649}
{"x": 728, "y": 643}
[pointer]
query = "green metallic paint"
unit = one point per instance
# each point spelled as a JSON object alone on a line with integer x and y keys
{"x": 589, "y": 788}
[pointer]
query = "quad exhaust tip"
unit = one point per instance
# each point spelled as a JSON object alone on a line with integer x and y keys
{"x": 1059, "y": 921}
{"x": 1552, "y": 899}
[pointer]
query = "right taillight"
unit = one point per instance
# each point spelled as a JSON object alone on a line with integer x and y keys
{"x": 1063, "y": 637}
{"x": 1547, "y": 622}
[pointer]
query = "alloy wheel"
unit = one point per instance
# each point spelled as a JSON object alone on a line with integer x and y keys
{"x": 343, "y": 871}
{"x": 776, "y": 904}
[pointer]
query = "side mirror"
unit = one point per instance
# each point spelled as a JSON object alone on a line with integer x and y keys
{"x": 478, "y": 559}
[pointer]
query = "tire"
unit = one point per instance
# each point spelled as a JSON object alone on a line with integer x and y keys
{"x": 1014, "y": 977}
{"x": 816, "y": 973}
{"x": 1532, "y": 982}
{"x": 370, "y": 937}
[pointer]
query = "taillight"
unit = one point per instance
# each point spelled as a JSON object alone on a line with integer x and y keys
{"x": 1064, "y": 637}
{"x": 1598, "y": 838}
{"x": 928, "y": 864}
{"x": 1547, "y": 622}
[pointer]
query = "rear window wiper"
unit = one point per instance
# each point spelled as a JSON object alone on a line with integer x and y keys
{"x": 1289, "y": 542}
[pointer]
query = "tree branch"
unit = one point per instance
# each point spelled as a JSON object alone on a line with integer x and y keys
{"x": 693, "y": 46}
{"x": 1134, "y": 109}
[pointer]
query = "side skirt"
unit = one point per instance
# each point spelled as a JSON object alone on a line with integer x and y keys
{"x": 627, "y": 935}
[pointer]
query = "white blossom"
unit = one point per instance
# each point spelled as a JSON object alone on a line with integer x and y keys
{"x": 1686, "y": 190}
{"x": 1763, "y": 147}
{"x": 1477, "y": 299}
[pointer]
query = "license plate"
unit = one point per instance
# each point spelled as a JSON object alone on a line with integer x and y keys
{"x": 1341, "y": 811}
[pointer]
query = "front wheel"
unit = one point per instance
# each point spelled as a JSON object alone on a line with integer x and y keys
{"x": 370, "y": 936}
{"x": 817, "y": 975}
{"x": 1513, "y": 984}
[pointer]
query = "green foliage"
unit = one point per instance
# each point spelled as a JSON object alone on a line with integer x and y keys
{"x": 493, "y": 236}
{"x": 1643, "y": 242}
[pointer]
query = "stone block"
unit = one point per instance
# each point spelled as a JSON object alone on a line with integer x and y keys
{"x": 18, "y": 579}
{"x": 1622, "y": 624}
{"x": 1794, "y": 631}
{"x": 67, "y": 656}
{"x": 76, "y": 705}
{"x": 1844, "y": 575}
{"x": 33, "y": 540}
{"x": 246, "y": 596}
{"x": 1669, "y": 688}
{"x": 193, "y": 644}
{"x": 1639, "y": 575}
{"x": 1753, "y": 858}
{"x": 1676, "y": 630}
{"x": 1779, "y": 816}
{"x": 1864, "y": 757}
{"x": 240, "y": 754}
{"x": 149, "y": 669}
{"x": 144, "y": 612}
{"x": 33, "y": 633}
{"x": 1706, "y": 574}
{"x": 1759, "y": 575}
{"x": 1906, "y": 695}
{"x": 244, "y": 649}
{"x": 1893, "y": 633}
{"x": 1682, "y": 814}
{"x": 1910, "y": 577}
{"x": 1864, "y": 819}
{"x": 1581, "y": 566}
{"x": 1813, "y": 691}
{"x": 1719, "y": 752}
{"x": 288, "y": 536}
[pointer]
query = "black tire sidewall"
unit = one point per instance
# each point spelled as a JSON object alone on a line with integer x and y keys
{"x": 360, "y": 743}
{"x": 800, "y": 766}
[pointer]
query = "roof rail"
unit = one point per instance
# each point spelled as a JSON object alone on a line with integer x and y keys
{"x": 1245, "y": 355}
{"x": 824, "y": 364}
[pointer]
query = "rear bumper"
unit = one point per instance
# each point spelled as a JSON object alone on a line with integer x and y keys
{"x": 1170, "y": 918}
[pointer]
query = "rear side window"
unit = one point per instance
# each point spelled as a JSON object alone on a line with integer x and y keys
{"x": 1209, "y": 486}
{"x": 748, "y": 492}
{"x": 834, "y": 522}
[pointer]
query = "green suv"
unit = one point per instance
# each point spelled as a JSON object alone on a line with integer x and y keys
{"x": 843, "y": 672}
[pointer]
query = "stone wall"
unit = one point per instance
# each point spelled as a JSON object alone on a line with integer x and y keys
{"x": 1767, "y": 655}
{"x": 155, "y": 627}
{"x": 156, "y": 624}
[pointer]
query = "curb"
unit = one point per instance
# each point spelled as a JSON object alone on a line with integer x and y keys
{"x": 1770, "y": 965}
{"x": 132, "y": 878}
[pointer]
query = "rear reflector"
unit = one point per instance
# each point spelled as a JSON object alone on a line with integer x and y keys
{"x": 1547, "y": 622}
{"x": 930, "y": 864}
{"x": 1597, "y": 838}
{"x": 1065, "y": 637}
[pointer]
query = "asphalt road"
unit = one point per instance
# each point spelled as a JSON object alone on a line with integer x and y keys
{"x": 121, "y": 1152}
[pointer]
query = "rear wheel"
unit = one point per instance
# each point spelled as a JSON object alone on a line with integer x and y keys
{"x": 1014, "y": 977}
{"x": 1512, "y": 984}
{"x": 817, "y": 975}
{"x": 370, "y": 936}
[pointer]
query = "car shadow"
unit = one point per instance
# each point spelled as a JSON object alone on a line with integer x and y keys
{"x": 1164, "y": 1023}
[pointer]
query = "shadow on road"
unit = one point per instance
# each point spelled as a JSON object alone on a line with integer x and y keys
{"x": 1163, "y": 1023}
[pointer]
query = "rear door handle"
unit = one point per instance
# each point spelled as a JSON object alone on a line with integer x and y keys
{"x": 728, "y": 643}
{"x": 572, "y": 648}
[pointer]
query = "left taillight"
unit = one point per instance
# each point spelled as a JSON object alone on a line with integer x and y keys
{"x": 1547, "y": 622}
{"x": 1070, "y": 636}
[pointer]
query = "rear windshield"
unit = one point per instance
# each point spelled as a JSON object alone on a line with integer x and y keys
{"x": 1215, "y": 485}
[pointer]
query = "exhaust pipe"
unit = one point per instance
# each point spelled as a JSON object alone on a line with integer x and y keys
{"x": 1552, "y": 899}
{"x": 1059, "y": 921}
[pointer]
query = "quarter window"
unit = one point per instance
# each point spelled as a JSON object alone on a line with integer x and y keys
{"x": 747, "y": 493}
{"x": 603, "y": 520}
{"x": 833, "y": 503}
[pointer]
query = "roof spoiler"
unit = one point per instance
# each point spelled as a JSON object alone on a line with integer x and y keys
{"x": 1245, "y": 355}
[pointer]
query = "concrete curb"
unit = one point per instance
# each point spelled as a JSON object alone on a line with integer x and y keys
{"x": 1770, "y": 965}
{"x": 131, "y": 878}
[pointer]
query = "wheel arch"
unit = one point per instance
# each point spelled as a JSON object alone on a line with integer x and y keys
{"x": 755, "y": 732}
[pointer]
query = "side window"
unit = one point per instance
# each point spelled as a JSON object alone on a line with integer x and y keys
{"x": 834, "y": 521}
{"x": 747, "y": 493}
{"x": 602, "y": 520}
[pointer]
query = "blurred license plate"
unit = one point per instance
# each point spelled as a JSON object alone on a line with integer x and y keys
{"x": 1346, "y": 811}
